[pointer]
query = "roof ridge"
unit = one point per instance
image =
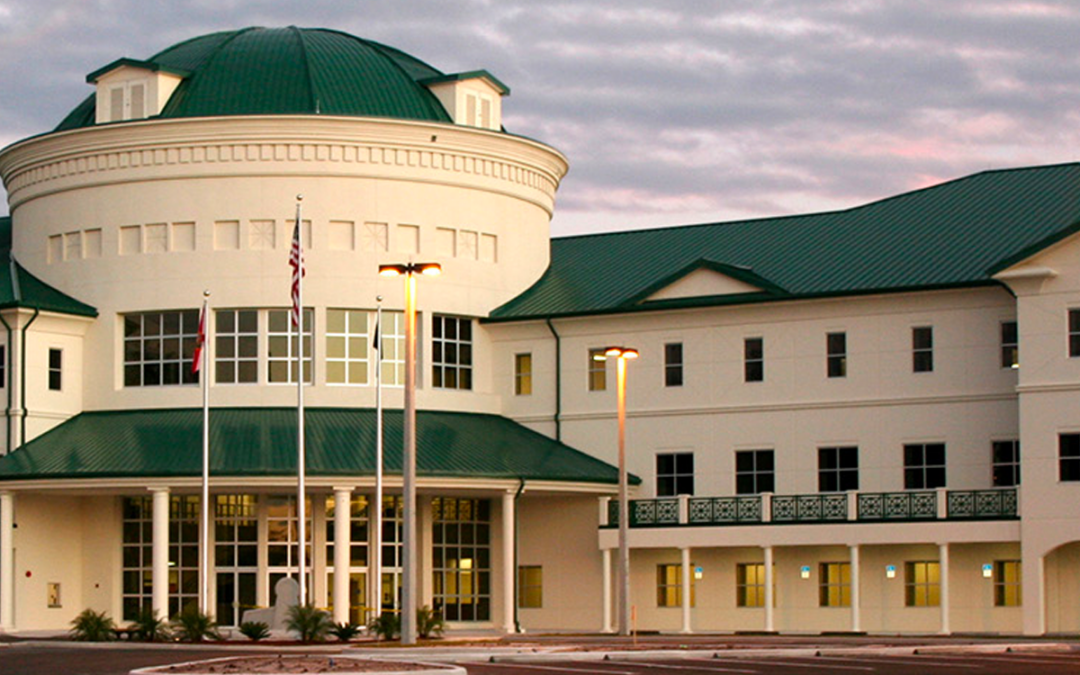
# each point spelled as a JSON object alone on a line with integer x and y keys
{"x": 313, "y": 97}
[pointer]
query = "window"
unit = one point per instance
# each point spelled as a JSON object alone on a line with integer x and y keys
{"x": 284, "y": 346}
{"x": 522, "y": 374}
{"x": 530, "y": 586}
{"x": 236, "y": 353}
{"x": 1074, "y": 332}
{"x": 597, "y": 370}
{"x": 136, "y": 554}
{"x": 669, "y": 586}
{"x": 838, "y": 469}
{"x": 1010, "y": 345}
{"x": 750, "y": 585}
{"x": 754, "y": 359}
{"x": 56, "y": 369}
{"x": 1007, "y": 586}
{"x": 673, "y": 364}
{"x": 1005, "y": 456}
{"x": 1069, "y": 457}
{"x": 835, "y": 584}
{"x": 836, "y": 354}
{"x": 924, "y": 466}
{"x": 390, "y": 338}
{"x": 159, "y": 348}
{"x": 922, "y": 584}
{"x": 461, "y": 558}
{"x": 451, "y": 346}
{"x": 754, "y": 471}
{"x": 347, "y": 346}
{"x": 922, "y": 349}
{"x": 3, "y": 366}
{"x": 674, "y": 474}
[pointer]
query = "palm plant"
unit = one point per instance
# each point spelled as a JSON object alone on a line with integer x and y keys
{"x": 309, "y": 622}
{"x": 192, "y": 625}
{"x": 91, "y": 626}
{"x": 150, "y": 627}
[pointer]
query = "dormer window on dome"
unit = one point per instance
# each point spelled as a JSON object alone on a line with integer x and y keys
{"x": 128, "y": 89}
{"x": 472, "y": 99}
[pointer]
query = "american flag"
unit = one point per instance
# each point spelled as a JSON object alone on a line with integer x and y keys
{"x": 196, "y": 362}
{"x": 296, "y": 261}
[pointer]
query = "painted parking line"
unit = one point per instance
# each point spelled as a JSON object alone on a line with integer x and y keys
{"x": 795, "y": 664}
{"x": 712, "y": 667}
{"x": 532, "y": 666}
{"x": 1040, "y": 659}
{"x": 901, "y": 660}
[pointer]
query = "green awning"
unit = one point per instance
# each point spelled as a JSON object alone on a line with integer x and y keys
{"x": 262, "y": 442}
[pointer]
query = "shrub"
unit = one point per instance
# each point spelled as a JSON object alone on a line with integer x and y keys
{"x": 255, "y": 630}
{"x": 429, "y": 622}
{"x": 192, "y": 625}
{"x": 387, "y": 625}
{"x": 150, "y": 627}
{"x": 345, "y": 631}
{"x": 91, "y": 626}
{"x": 309, "y": 622}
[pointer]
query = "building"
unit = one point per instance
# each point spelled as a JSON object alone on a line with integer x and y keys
{"x": 826, "y": 419}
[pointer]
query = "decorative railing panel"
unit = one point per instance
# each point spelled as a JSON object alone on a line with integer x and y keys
{"x": 982, "y": 504}
{"x": 724, "y": 510}
{"x": 809, "y": 508}
{"x": 647, "y": 512}
{"x": 897, "y": 506}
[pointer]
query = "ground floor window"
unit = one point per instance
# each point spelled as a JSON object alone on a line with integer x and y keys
{"x": 835, "y": 584}
{"x": 530, "y": 586}
{"x": 236, "y": 556}
{"x": 669, "y": 586}
{"x": 358, "y": 556}
{"x": 138, "y": 556}
{"x": 922, "y": 584}
{"x": 1007, "y": 587}
{"x": 461, "y": 558}
{"x": 750, "y": 585}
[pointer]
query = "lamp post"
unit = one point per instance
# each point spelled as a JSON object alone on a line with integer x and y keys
{"x": 621, "y": 355}
{"x": 408, "y": 469}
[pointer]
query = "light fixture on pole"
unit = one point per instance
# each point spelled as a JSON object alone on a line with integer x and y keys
{"x": 621, "y": 355}
{"x": 408, "y": 468}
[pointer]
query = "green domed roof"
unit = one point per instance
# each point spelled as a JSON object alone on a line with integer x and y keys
{"x": 287, "y": 71}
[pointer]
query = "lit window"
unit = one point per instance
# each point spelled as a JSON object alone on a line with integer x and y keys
{"x": 56, "y": 369}
{"x": 451, "y": 352}
{"x": 674, "y": 474}
{"x": 1006, "y": 463}
{"x": 530, "y": 586}
{"x": 669, "y": 586}
{"x": 1007, "y": 583}
{"x": 1010, "y": 345}
{"x": 673, "y": 364}
{"x": 461, "y": 558}
{"x": 922, "y": 349}
{"x": 390, "y": 338}
{"x": 924, "y": 466}
{"x": 754, "y": 359}
{"x": 836, "y": 354}
{"x": 523, "y": 374}
{"x": 750, "y": 585}
{"x": 834, "y": 589}
{"x": 236, "y": 341}
{"x": 284, "y": 346}
{"x": 838, "y": 469}
{"x": 754, "y": 471}
{"x": 347, "y": 346}
{"x": 159, "y": 348}
{"x": 597, "y": 370}
{"x": 922, "y": 584}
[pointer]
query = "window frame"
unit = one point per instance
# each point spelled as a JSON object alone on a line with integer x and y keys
{"x": 237, "y": 338}
{"x": 754, "y": 359}
{"x": 187, "y": 335}
{"x": 530, "y": 586}
{"x": 1008, "y": 583}
{"x": 1068, "y": 457}
{"x": 1005, "y": 470}
{"x": 596, "y": 371}
{"x": 674, "y": 480}
{"x": 1010, "y": 344}
{"x": 922, "y": 349}
{"x": 1073, "y": 334}
{"x": 762, "y": 477}
{"x": 838, "y": 468}
{"x": 451, "y": 352}
{"x": 834, "y": 584}
{"x": 750, "y": 588}
{"x": 293, "y": 341}
{"x": 668, "y": 592}
{"x": 673, "y": 364}
{"x": 836, "y": 354}
{"x": 919, "y": 472}
{"x": 56, "y": 369}
{"x": 523, "y": 374}
{"x": 343, "y": 341}
{"x": 922, "y": 583}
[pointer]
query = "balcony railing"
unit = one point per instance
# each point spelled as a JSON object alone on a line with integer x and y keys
{"x": 828, "y": 507}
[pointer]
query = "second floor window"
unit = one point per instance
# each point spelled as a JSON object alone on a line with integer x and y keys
{"x": 284, "y": 346}
{"x": 754, "y": 472}
{"x": 236, "y": 342}
{"x": 1074, "y": 332}
{"x": 922, "y": 349}
{"x": 836, "y": 354}
{"x": 597, "y": 370}
{"x": 56, "y": 369}
{"x": 451, "y": 352}
{"x": 673, "y": 364}
{"x": 159, "y": 348}
{"x": 924, "y": 466}
{"x": 522, "y": 374}
{"x": 1005, "y": 458}
{"x": 674, "y": 474}
{"x": 348, "y": 352}
{"x": 838, "y": 469}
{"x": 754, "y": 359}
{"x": 1069, "y": 457}
{"x": 1010, "y": 345}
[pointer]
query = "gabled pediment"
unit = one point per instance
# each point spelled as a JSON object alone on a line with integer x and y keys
{"x": 709, "y": 279}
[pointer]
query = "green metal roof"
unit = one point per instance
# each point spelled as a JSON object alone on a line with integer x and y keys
{"x": 19, "y": 288}
{"x": 278, "y": 71}
{"x": 248, "y": 442}
{"x": 955, "y": 234}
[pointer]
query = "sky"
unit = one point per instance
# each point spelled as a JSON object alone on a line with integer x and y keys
{"x": 670, "y": 112}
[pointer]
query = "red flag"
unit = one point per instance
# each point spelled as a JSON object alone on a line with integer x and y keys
{"x": 196, "y": 363}
{"x": 296, "y": 261}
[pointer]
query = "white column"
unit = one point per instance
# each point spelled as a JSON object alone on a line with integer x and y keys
{"x": 770, "y": 613}
{"x": 856, "y": 620}
{"x": 509, "y": 562}
{"x": 606, "y": 590}
{"x": 7, "y": 561}
{"x": 943, "y": 558}
{"x": 160, "y": 575}
{"x": 685, "y": 589}
{"x": 342, "y": 550}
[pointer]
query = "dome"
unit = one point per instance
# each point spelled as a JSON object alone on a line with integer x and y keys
{"x": 289, "y": 71}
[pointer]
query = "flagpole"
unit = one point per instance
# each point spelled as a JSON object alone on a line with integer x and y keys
{"x": 301, "y": 510}
{"x": 376, "y": 535}
{"x": 204, "y": 374}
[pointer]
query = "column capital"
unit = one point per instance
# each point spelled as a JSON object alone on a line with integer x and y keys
{"x": 343, "y": 488}
{"x": 158, "y": 489}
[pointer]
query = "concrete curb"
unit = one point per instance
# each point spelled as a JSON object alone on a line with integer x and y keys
{"x": 441, "y": 670}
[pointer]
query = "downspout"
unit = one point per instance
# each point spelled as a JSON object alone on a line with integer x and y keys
{"x": 517, "y": 620}
{"x": 22, "y": 375}
{"x": 7, "y": 384}
{"x": 558, "y": 380}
